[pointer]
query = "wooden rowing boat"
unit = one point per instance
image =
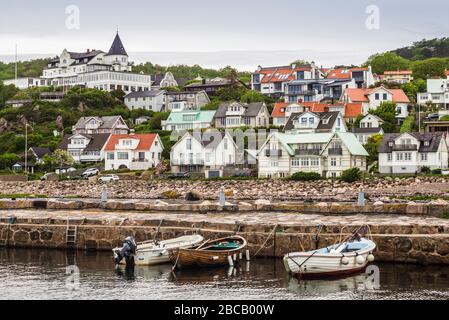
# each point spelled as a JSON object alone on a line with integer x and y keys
{"x": 212, "y": 253}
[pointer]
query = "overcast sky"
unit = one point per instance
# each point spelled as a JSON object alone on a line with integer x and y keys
{"x": 216, "y": 33}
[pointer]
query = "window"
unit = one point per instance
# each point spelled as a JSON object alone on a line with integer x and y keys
{"x": 314, "y": 162}
{"x": 274, "y": 164}
{"x": 111, "y": 156}
{"x": 122, "y": 156}
{"x": 189, "y": 144}
{"x": 385, "y": 96}
{"x": 423, "y": 156}
{"x": 389, "y": 157}
{"x": 377, "y": 96}
{"x": 333, "y": 162}
{"x": 296, "y": 162}
{"x": 399, "y": 157}
{"x": 127, "y": 143}
{"x": 311, "y": 121}
{"x": 304, "y": 162}
{"x": 408, "y": 156}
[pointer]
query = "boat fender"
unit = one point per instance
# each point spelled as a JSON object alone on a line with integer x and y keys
{"x": 345, "y": 260}
{"x": 360, "y": 259}
{"x": 371, "y": 257}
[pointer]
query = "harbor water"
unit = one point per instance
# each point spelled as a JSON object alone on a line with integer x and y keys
{"x": 49, "y": 274}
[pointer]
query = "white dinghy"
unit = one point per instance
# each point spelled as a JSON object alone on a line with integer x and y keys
{"x": 347, "y": 257}
{"x": 153, "y": 252}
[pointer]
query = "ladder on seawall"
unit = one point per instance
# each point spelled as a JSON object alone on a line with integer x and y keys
{"x": 4, "y": 237}
{"x": 71, "y": 234}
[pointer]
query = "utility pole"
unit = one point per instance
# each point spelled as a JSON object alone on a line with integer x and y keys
{"x": 26, "y": 146}
{"x": 15, "y": 68}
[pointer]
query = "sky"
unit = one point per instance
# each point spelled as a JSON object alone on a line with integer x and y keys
{"x": 215, "y": 33}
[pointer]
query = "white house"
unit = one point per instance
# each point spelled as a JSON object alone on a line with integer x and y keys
{"x": 408, "y": 153}
{"x": 371, "y": 99}
{"x": 85, "y": 147}
{"x": 133, "y": 152}
{"x": 191, "y": 99}
{"x": 164, "y": 80}
{"x": 236, "y": 114}
{"x": 153, "y": 100}
{"x": 92, "y": 68}
{"x": 437, "y": 93}
{"x": 23, "y": 83}
{"x": 328, "y": 154}
{"x": 315, "y": 122}
{"x": 107, "y": 124}
{"x": 369, "y": 126}
{"x": 209, "y": 153}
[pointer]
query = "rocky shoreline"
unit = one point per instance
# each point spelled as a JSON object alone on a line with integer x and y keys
{"x": 377, "y": 189}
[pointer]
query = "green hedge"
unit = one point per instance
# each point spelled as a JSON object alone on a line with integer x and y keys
{"x": 306, "y": 176}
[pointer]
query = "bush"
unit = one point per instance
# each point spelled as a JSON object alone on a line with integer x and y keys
{"x": 425, "y": 170}
{"x": 437, "y": 171}
{"x": 351, "y": 175}
{"x": 305, "y": 176}
{"x": 171, "y": 195}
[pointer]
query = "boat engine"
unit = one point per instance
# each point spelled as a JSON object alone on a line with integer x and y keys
{"x": 127, "y": 252}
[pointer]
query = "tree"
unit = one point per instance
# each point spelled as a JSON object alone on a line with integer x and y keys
{"x": 429, "y": 68}
{"x": 7, "y": 160}
{"x": 252, "y": 96}
{"x": 6, "y": 93}
{"x": 411, "y": 89}
{"x": 387, "y": 62}
{"x": 372, "y": 147}
{"x": 58, "y": 159}
{"x": 387, "y": 112}
{"x": 351, "y": 175}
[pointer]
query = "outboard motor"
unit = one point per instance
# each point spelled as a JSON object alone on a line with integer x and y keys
{"x": 127, "y": 252}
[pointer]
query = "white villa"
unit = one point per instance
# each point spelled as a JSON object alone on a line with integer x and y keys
{"x": 107, "y": 124}
{"x": 236, "y": 114}
{"x": 369, "y": 126}
{"x": 210, "y": 153}
{"x": 408, "y": 153}
{"x": 328, "y": 154}
{"x": 371, "y": 99}
{"x": 437, "y": 93}
{"x": 315, "y": 122}
{"x": 85, "y": 147}
{"x": 153, "y": 100}
{"x": 97, "y": 69}
{"x": 133, "y": 151}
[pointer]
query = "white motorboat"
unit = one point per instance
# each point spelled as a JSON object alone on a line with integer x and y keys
{"x": 151, "y": 253}
{"x": 341, "y": 259}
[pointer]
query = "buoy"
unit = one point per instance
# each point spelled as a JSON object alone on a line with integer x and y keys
{"x": 360, "y": 259}
{"x": 345, "y": 260}
{"x": 371, "y": 258}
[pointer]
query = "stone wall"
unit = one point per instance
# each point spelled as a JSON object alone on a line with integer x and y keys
{"x": 408, "y": 244}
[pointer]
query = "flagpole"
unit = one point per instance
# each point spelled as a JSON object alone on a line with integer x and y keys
{"x": 15, "y": 67}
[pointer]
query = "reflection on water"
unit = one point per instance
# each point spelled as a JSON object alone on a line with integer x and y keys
{"x": 37, "y": 274}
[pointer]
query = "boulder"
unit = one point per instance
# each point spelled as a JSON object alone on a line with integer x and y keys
{"x": 193, "y": 196}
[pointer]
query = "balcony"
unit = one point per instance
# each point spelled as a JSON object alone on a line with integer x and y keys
{"x": 183, "y": 162}
{"x": 335, "y": 151}
{"x": 307, "y": 152}
{"x": 302, "y": 93}
{"x": 273, "y": 153}
{"x": 405, "y": 147}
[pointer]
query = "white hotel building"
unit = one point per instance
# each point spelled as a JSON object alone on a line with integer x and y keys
{"x": 96, "y": 69}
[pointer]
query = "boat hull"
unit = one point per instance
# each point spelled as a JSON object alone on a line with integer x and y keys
{"x": 309, "y": 265}
{"x": 196, "y": 258}
{"x": 152, "y": 253}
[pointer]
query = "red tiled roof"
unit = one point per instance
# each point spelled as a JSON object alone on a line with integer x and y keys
{"x": 279, "y": 109}
{"x": 280, "y": 74}
{"x": 447, "y": 73}
{"x": 315, "y": 106}
{"x": 353, "y": 110}
{"x": 145, "y": 140}
{"x": 343, "y": 73}
{"x": 361, "y": 95}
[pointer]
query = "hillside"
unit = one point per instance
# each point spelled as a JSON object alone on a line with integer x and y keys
{"x": 425, "y": 49}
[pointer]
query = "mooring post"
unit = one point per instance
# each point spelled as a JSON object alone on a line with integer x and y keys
{"x": 222, "y": 197}
{"x": 361, "y": 199}
{"x": 230, "y": 261}
{"x": 248, "y": 256}
{"x": 104, "y": 195}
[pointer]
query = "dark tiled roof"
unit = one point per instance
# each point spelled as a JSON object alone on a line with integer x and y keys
{"x": 117, "y": 47}
{"x": 433, "y": 138}
{"x": 141, "y": 94}
{"x": 157, "y": 79}
{"x": 251, "y": 110}
{"x": 97, "y": 141}
{"x": 323, "y": 127}
{"x": 366, "y": 130}
{"x": 40, "y": 152}
{"x": 107, "y": 122}
{"x": 209, "y": 140}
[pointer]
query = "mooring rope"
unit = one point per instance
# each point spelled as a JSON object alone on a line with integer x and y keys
{"x": 266, "y": 241}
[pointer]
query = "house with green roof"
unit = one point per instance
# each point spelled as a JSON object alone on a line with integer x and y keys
{"x": 328, "y": 154}
{"x": 188, "y": 120}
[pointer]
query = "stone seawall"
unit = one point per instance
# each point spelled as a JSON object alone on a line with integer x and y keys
{"x": 410, "y": 241}
{"x": 438, "y": 208}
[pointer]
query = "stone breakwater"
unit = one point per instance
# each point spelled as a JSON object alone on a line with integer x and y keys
{"x": 399, "y": 239}
{"x": 383, "y": 189}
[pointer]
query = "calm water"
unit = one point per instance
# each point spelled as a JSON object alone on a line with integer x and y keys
{"x": 36, "y": 274}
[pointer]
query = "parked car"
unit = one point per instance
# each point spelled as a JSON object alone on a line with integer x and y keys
{"x": 91, "y": 172}
{"x": 109, "y": 178}
{"x": 179, "y": 175}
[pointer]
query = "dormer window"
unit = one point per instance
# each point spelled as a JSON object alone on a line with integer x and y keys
{"x": 127, "y": 143}
{"x": 390, "y": 143}
{"x": 426, "y": 143}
